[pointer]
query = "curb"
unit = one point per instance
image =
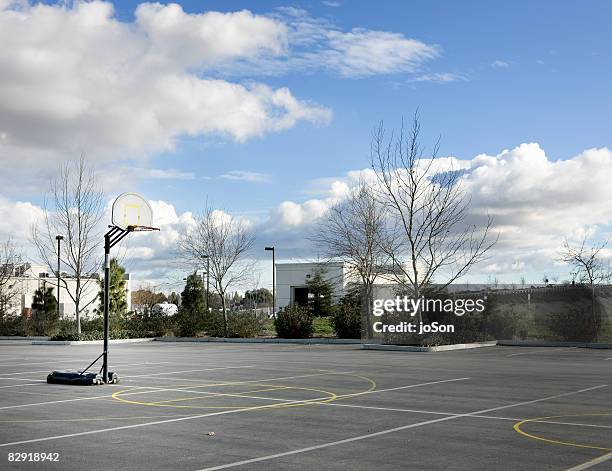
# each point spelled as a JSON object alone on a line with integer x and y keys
{"x": 543, "y": 343}
{"x": 439, "y": 348}
{"x": 18, "y": 337}
{"x": 89, "y": 342}
{"x": 314, "y": 341}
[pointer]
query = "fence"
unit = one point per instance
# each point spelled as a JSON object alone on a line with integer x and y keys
{"x": 574, "y": 313}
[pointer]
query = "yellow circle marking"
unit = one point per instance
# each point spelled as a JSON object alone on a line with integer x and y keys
{"x": 330, "y": 397}
{"x": 298, "y": 403}
{"x": 518, "y": 425}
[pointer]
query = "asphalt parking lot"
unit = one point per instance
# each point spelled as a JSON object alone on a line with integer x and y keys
{"x": 206, "y": 406}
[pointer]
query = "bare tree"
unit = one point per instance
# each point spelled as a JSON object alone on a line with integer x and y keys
{"x": 585, "y": 261}
{"x": 10, "y": 258}
{"x": 587, "y": 267}
{"x": 353, "y": 231}
{"x": 433, "y": 243}
{"x": 224, "y": 241}
{"x": 73, "y": 209}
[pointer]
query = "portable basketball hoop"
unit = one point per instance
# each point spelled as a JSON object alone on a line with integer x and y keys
{"x": 130, "y": 213}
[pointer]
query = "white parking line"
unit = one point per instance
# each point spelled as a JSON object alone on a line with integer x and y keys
{"x": 119, "y": 365}
{"x": 158, "y": 422}
{"x": 392, "y": 430}
{"x": 375, "y": 391}
{"x": 492, "y": 417}
{"x": 22, "y": 384}
{"x": 17, "y": 379}
{"x": 153, "y": 389}
{"x": 188, "y": 371}
{"x": 591, "y": 463}
{"x": 546, "y": 350}
{"x": 71, "y": 360}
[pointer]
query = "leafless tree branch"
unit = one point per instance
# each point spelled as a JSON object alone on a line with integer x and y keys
{"x": 73, "y": 209}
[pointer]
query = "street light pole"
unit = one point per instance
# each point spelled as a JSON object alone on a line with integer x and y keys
{"x": 207, "y": 278}
{"x": 273, "y": 280}
{"x": 59, "y": 238}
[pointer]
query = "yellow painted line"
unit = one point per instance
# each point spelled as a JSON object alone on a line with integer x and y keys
{"x": 206, "y": 395}
{"x": 330, "y": 397}
{"x": 518, "y": 425}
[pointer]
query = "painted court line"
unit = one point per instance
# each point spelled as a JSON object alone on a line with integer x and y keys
{"x": 374, "y": 391}
{"x": 69, "y": 360}
{"x": 206, "y": 394}
{"x": 159, "y": 422}
{"x": 49, "y": 371}
{"x": 18, "y": 379}
{"x": 22, "y": 384}
{"x": 392, "y": 430}
{"x": 591, "y": 463}
{"x": 188, "y": 371}
{"x": 492, "y": 417}
{"x": 152, "y": 389}
{"x": 546, "y": 350}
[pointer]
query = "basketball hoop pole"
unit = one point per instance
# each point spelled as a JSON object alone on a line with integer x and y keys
{"x": 111, "y": 238}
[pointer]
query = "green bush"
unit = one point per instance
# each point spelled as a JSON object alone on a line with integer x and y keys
{"x": 574, "y": 324}
{"x": 14, "y": 326}
{"x": 99, "y": 335}
{"x": 244, "y": 324}
{"x": 322, "y": 327}
{"x": 189, "y": 323}
{"x": 346, "y": 321}
{"x": 240, "y": 324}
{"x": 506, "y": 323}
{"x": 294, "y": 322}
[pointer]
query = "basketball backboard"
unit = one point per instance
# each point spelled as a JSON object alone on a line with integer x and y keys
{"x": 131, "y": 210}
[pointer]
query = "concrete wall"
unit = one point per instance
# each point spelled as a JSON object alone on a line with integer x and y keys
{"x": 295, "y": 275}
{"x": 39, "y": 276}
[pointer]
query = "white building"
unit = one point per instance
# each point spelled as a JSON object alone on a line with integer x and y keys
{"x": 27, "y": 278}
{"x": 164, "y": 309}
{"x": 291, "y": 279}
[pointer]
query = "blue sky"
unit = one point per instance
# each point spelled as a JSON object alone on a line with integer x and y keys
{"x": 554, "y": 90}
{"x": 161, "y": 109}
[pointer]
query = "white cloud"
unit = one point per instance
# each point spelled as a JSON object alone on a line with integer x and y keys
{"x": 318, "y": 44}
{"x": 77, "y": 80}
{"x": 158, "y": 173}
{"x": 196, "y": 40}
{"x": 536, "y": 203}
{"x": 364, "y": 52}
{"x": 246, "y": 176}
{"x": 439, "y": 77}
{"x": 16, "y": 219}
{"x": 500, "y": 64}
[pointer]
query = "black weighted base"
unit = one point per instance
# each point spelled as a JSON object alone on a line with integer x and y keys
{"x": 80, "y": 379}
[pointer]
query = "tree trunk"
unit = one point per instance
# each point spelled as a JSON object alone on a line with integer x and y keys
{"x": 77, "y": 302}
{"x": 78, "y": 317}
{"x": 224, "y": 315}
{"x": 366, "y": 310}
{"x": 417, "y": 295}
